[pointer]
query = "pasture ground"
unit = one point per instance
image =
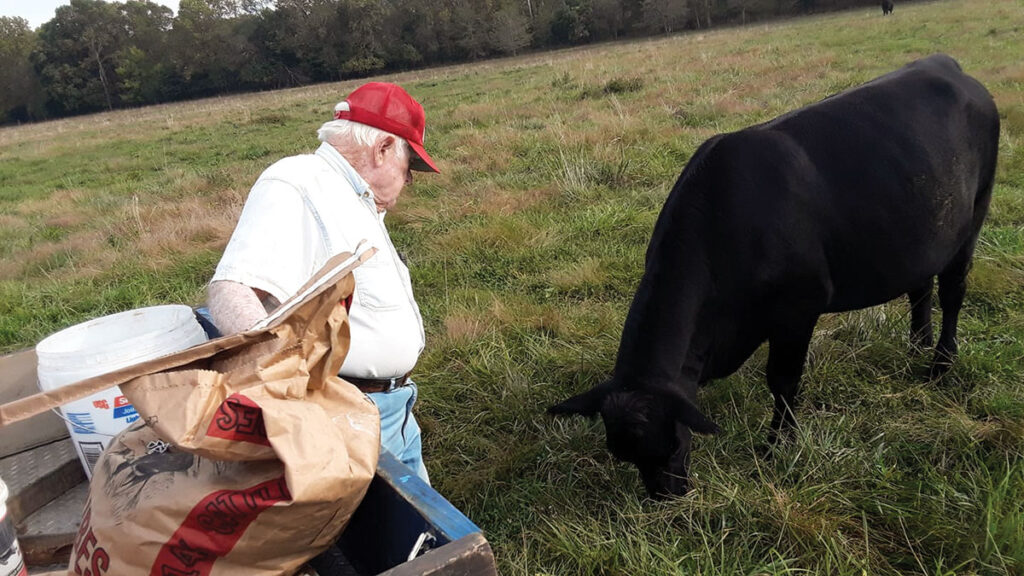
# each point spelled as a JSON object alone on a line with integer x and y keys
{"x": 525, "y": 253}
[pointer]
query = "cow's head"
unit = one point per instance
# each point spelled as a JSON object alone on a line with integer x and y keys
{"x": 650, "y": 428}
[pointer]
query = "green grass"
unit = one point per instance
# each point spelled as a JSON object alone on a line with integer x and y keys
{"x": 525, "y": 253}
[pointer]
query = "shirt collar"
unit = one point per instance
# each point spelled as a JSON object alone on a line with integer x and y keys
{"x": 337, "y": 162}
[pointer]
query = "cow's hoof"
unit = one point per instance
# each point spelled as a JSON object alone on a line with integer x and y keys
{"x": 939, "y": 368}
{"x": 765, "y": 451}
{"x": 920, "y": 342}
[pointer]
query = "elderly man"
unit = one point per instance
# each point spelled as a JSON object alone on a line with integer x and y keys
{"x": 305, "y": 209}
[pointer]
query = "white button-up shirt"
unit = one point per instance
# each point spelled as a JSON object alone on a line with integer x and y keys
{"x": 301, "y": 211}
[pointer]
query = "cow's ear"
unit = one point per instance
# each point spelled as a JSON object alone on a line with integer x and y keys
{"x": 585, "y": 404}
{"x": 698, "y": 422}
{"x": 688, "y": 413}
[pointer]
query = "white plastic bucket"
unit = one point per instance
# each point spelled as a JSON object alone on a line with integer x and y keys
{"x": 11, "y": 562}
{"x": 103, "y": 345}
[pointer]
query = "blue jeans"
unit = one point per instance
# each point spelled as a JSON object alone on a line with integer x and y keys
{"x": 399, "y": 431}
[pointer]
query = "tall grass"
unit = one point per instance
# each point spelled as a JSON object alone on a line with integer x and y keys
{"x": 525, "y": 253}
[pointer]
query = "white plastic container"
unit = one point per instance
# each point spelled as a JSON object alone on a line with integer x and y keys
{"x": 103, "y": 345}
{"x": 11, "y": 562}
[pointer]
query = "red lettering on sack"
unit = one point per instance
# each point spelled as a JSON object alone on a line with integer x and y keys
{"x": 168, "y": 571}
{"x": 100, "y": 561}
{"x": 214, "y": 526}
{"x": 90, "y": 559}
{"x": 239, "y": 418}
{"x": 188, "y": 555}
{"x": 101, "y": 404}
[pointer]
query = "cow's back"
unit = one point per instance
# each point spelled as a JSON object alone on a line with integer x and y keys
{"x": 871, "y": 191}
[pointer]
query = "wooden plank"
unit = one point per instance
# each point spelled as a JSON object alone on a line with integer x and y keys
{"x": 47, "y": 549}
{"x": 18, "y": 380}
{"x": 468, "y": 556}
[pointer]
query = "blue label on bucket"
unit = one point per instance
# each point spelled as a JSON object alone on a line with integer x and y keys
{"x": 124, "y": 411}
{"x": 82, "y": 422}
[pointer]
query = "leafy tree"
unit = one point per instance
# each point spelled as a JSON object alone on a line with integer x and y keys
{"x": 471, "y": 29}
{"x": 143, "y": 65}
{"x": 77, "y": 56}
{"x": 608, "y": 18}
{"x": 510, "y": 30}
{"x": 309, "y": 38}
{"x": 21, "y": 96}
{"x": 206, "y": 52}
{"x": 665, "y": 15}
{"x": 275, "y": 64}
{"x": 569, "y": 25}
{"x": 431, "y": 29}
{"x": 364, "y": 22}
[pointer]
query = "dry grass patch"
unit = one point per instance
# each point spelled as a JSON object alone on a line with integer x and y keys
{"x": 503, "y": 202}
{"x": 168, "y": 228}
{"x": 1004, "y": 434}
{"x": 463, "y": 327}
{"x": 82, "y": 254}
{"x": 226, "y": 187}
{"x": 548, "y": 320}
{"x": 1011, "y": 72}
{"x": 184, "y": 181}
{"x": 584, "y": 274}
{"x": 10, "y": 223}
{"x": 532, "y": 316}
{"x": 500, "y": 236}
{"x": 490, "y": 199}
{"x": 58, "y": 204}
{"x": 66, "y": 220}
{"x": 801, "y": 521}
{"x": 478, "y": 151}
{"x": 474, "y": 115}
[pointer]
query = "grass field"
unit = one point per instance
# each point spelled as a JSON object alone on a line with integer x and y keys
{"x": 525, "y": 253}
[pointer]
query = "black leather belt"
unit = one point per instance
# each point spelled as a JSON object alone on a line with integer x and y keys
{"x": 372, "y": 385}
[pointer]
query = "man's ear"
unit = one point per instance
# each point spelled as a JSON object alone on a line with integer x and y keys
{"x": 381, "y": 148}
{"x": 585, "y": 404}
{"x": 686, "y": 411}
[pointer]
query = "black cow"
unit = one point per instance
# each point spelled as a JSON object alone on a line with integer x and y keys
{"x": 886, "y": 7}
{"x": 841, "y": 205}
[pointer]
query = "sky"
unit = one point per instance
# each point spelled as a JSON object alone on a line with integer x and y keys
{"x": 38, "y": 12}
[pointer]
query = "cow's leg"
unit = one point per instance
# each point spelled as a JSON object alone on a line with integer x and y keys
{"x": 921, "y": 315}
{"x": 952, "y": 287}
{"x": 787, "y": 352}
{"x": 953, "y": 282}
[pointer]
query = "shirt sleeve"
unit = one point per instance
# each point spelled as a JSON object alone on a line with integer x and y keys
{"x": 233, "y": 307}
{"x": 274, "y": 244}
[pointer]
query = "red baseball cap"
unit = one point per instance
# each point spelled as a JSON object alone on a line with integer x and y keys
{"x": 389, "y": 108}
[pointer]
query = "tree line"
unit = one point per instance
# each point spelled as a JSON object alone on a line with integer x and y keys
{"x": 96, "y": 55}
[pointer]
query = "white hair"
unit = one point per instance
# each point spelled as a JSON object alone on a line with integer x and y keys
{"x": 339, "y": 132}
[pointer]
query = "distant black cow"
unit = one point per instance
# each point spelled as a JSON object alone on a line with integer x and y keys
{"x": 886, "y": 7}
{"x": 843, "y": 204}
